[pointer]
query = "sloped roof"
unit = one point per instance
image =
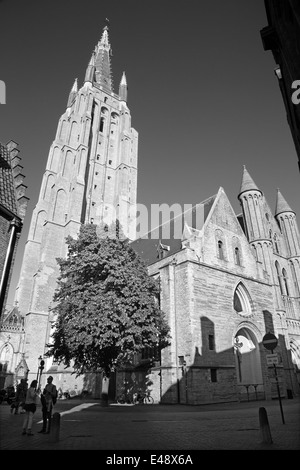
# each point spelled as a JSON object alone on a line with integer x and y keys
{"x": 7, "y": 188}
{"x": 281, "y": 204}
{"x": 247, "y": 183}
{"x": 170, "y": 232}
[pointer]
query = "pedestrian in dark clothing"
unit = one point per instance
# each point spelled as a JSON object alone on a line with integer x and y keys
{"x": 20, "y": 396}
{"x": 48, "y": 399}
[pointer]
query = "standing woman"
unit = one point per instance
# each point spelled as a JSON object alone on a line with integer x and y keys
{"x": 30, "y": 408}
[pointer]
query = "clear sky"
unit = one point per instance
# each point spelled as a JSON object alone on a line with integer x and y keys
{"x": 202, "y": 93}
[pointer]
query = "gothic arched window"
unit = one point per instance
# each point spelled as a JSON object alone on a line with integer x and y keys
{"x": 294, "y": 277}
{"x": 241, "y": 300}
{"x": 276, "y": 244}
{"x": 285, "y": 280}
{"x": 279, "y": 277}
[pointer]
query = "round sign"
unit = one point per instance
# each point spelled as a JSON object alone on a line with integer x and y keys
{"x": 270, "y": 341}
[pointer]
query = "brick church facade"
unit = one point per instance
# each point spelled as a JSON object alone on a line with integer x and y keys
{"x": 226, "y": 280}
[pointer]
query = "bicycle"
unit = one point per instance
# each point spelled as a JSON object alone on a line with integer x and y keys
{"x": 144, "y": 398}
{"x": 125, "y": 399}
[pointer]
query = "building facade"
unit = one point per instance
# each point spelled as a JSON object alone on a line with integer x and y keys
{"x": 90, "y": 176}
{"x": 225, "y": 283}
{"x": 282, "y": 37}
{"x": 13, "y": 206}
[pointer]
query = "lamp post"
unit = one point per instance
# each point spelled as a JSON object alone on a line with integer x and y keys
{"x": 237, "y": 346}
{"x": 41, "y": 364}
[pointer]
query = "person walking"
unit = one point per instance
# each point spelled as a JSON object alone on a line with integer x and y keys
{"x": 30, "y": 408}
{"x": 20, "y": 395}
{"x": 48, "y": 399}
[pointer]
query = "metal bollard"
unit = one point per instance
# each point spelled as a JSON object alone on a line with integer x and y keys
{"x": 55, "y": 427}
{"x": 264, "y": 426}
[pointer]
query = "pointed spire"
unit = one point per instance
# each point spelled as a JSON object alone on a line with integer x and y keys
{"x": 73, "y": 93}
{"x": 123, "y": 88}
{"x": 102, "y": 61}
{"x": 247, "y": 183}
{"x": 281, "y": 204}
{"x": 75, "y": 86}
{"x": 90, "y": 71}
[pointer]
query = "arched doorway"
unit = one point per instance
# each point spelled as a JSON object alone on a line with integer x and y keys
{"x": 248, "y": 364}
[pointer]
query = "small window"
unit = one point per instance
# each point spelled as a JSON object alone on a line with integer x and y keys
{"x": 213, "y": 375}
{"x": 109, "y": 162}
{"x": 220, "y": 249}
{"x": 211, "y": 342}
{"x": 109, "y": 177}
{"x": 181, "y": 360}
{"x": 237, "y": 257}
{"x": 285, "y": 280}
{"x": 279, "y": 277}
{"x": 95, "y": 186}
{"x": 276, "y": 244}
{"x": 101, "y": 124}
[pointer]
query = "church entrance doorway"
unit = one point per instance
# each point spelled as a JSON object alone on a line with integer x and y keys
{"x": 248, "y": 365}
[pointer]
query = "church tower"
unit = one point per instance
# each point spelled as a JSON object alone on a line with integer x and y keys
{"x": 286, "y": 219}
{"x": 90, "y": 176}
{"x": 274, "y": 240}
{"x": 256, "y": 221}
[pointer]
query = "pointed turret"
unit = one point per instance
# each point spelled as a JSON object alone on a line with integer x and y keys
{"x": 102, "y": 62}
{"x": 90, "y": 71}
{"x": 123, "y": 88}
{"x": 286, "y": 219}
{"x": 73, "y": 93}
{"x": 281, "y": 204}
{"x": 252, "y": 201}
{"x": 247, "y": 183}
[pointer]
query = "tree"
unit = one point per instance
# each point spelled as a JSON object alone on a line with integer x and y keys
{"x": 106, "y": 304}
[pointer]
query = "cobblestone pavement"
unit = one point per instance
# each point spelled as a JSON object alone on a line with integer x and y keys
{"x": 86, "y": 425}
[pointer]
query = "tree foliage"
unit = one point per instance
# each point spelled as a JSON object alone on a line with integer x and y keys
{"x": 106, "y": 305}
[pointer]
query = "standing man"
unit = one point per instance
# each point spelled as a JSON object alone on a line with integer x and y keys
{"x": 20, "y": 396}
{"x": 48, "y": 399}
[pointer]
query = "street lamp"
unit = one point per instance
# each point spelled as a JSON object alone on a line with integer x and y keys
{"x": 41, "y": 364}
{"x": 237, "y": 346}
